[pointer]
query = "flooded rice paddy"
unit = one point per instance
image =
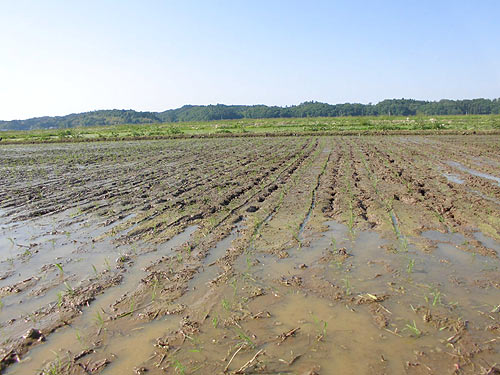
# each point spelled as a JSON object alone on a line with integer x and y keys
{"x": 282, "y": 255}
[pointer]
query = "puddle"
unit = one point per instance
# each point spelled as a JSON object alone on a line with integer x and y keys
{"x": 453, "y": 238}
{"x": 449, "y": 275}
{"x": 67, "y": 337}
{"x": 487, "y": 241}
{"x": 473, "y": 172}
{"x": 351, "y": 344}
{"x": 348, "y": 332}
{"x": 124, "y": 344}
{"x": 126, "y": 347}
{"x": 453, "y": 178}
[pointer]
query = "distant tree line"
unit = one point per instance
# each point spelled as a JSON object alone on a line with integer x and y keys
{"x": 389, "y": 107}
{"x": 95, "y": 118}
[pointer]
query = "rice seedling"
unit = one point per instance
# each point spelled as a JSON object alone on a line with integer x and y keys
{"x": 123, "y": 258}
{"x": 99, "y": 319}
{"x": 436, "y": 297}
{"x": 79, "y": 337}
{"x": 234, "y": 286}
{"x": 336, "y": 263}
{"x": 409, "y": 267}
{"x": 347, "y": 286}
{"x": 95, "y": 271}
{"x": 439, "y": 216}
{"x": 246, "y": 340}
{"x": 321, "y": 326}
{"x": 69, "y": 290}
{"x": 59, "y": 299}
{"x": 55, "y": 368}
{"x": 107, "y": 264}
{"x": 414, "y": 330}
{"x": 333, "y": 243}
{"x": 59, "y": 266}
{"x": 248, "y": 261}
{"x": 226, "y": 304}
{"x": 179, "y": 367}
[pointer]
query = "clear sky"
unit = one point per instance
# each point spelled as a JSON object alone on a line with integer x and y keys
{"x": 60, "y": 57}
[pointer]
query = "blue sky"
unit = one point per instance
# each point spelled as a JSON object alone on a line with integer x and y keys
{"x": 60, "y": 57}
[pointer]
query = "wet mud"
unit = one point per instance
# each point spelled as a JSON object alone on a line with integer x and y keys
{"x": 279, "y": 255}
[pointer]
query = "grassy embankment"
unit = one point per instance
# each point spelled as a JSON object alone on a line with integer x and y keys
{"x": 275, "y": 126}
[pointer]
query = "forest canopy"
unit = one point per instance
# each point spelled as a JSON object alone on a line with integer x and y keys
{"x": 388, "y": 107}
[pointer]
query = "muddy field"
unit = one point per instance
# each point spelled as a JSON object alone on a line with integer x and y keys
{"x": 282, "y": 255}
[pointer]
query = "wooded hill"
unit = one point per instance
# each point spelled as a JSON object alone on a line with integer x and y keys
{"x": 389, "y": 107}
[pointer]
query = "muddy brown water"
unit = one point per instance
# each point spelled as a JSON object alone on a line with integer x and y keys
{"x": 71, "y": 337}
{"x": 295, "y": 256}
{"x": 34, "y": 249}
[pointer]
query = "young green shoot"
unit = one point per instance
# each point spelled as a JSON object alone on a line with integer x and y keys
{"x": 69, "y": 289}
{"x": 99, "y": 319}
{"x": 347, "y": 285}
{"x": 246, "y": 340}
{"x": 414, "y": 330}
{"x": 107, "y": 264}
{"x": 59, "y": 266}
{"x": 226, "y": 304}
{"x": 409, "y": 267}
{"x": 95, "y": 271}
{"x": 437, "y": 297}
{"x": 179, "y": 367}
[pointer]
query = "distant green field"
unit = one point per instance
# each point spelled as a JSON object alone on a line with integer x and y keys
{"x": 288, "y": 126}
